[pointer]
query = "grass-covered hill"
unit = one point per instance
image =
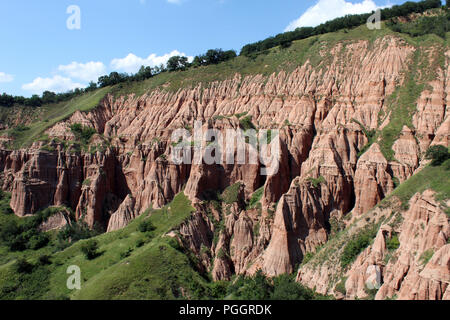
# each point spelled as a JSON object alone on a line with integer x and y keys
{"x": 140, "y": 261}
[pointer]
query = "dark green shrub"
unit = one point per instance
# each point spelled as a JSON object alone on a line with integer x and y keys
{"x": 38, "y": 241}
{"x": 285, "y": 44}
{"x": 355, "y": 246}
{"x": 259, "y": 287}
{"x": 23, "y": 266}
{"x": 89, "y": 249}
{"x": 44, "y": 260}
{"x": 18, "y": 129}
{"x": 139, "y": 243}
{"x": 254, "y": 288}
{"x": 9, "y": 231}
{"x": 438, "y": 25}
{"x": 213, "y": 56}
{"x": 286, "y": 288}
{"x": 146, "y": 226}
{"x": 393, "y": 243}
{"x": 438, "y": 154}
{"x": 396, "y": 182}
{"x": 18, "y": 243}
{"x": 218, "y": 290}
{"x": 83, "y": 134}
{"x": 175, "y": 244}
{"x": 246, "y": 123}
{"x": 28, "y": 282}
{"x": 21, "y": 237}
{"x": 4, "y": 203}
{"x": 126, "y": 254}
{"x": 75, "y": 232}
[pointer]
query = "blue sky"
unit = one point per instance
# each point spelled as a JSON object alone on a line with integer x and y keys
{"x": 40, "y": 53}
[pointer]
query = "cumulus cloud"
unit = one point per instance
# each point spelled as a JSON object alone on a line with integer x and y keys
{"x": 56, "y": 84}
{"x": 131, "y": 63}
{"x": 325, "y": 10}
{"x": 4, "y": 77}
{"x": 89, "y": 71}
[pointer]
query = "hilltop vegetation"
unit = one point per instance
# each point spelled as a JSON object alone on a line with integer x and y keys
{"x": 349, "y": 21}
{"x": 265, "y": 57}
{"x": 217, "y": 65}
{"x": 425, "y": 25}
{"x": 51, "y": 114}
{"x": 438, "y": 25}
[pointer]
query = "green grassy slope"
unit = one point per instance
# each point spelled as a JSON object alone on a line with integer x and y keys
{"x": 131, "y": 264}
{"x": 156, "y": 270}
{"x": 434, "y": 178}
{"x": 49, "y": 115}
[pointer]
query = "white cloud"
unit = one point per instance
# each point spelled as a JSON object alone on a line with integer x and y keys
{"x": 4, "y": 77}
{"x": 90, "y": 71}
{"x": 56, "y": 84}
{"x": 84, "y": 71}
{"x": 131, "y": 63}
{"x": 325, "y": 10}
{"x": 175, "y": 1}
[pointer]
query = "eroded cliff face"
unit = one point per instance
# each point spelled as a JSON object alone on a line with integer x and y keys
{"x": 416, "y": 268}
{"x": 323, "y": 113}
{"x": 420, "y": 268}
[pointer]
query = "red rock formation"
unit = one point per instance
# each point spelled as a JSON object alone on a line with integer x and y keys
{"x": 298, "y": 228}
{"x": 424, "y": 230}
{"x": 407, "y": 154}
{"x": 320, "y": 112}
{"x": 54, "y": 222}
{"x": 123, "y": 216}
{"x": 372, "y": 180}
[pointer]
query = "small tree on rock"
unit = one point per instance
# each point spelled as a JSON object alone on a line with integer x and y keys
{"x": 438, "y": 154}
